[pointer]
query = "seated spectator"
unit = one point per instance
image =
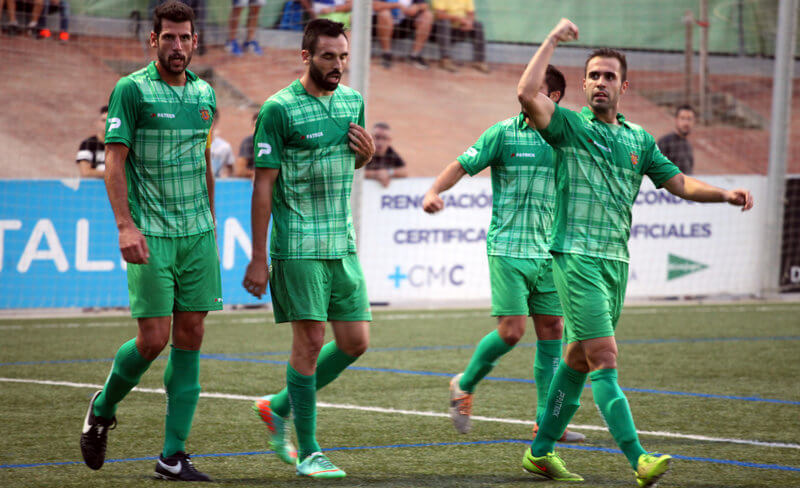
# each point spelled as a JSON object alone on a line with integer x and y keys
{"x": 250, "y": 44}
{"x": 334, "y": 10}
{"x": 455, "y": 21}
{"x": 397, "y": 18}
{"x": 675, "y": 145}
{"x": 11, "y": 26}
{"x": 91, "y": 156}
{"x": 221, "y": 152}
{"x": 245, "y": 163}
{"x": 38, "y": 22}
{"x": 386, "y": 163}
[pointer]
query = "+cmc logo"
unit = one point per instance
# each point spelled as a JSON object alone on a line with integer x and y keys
{"x": 421, "y": 275}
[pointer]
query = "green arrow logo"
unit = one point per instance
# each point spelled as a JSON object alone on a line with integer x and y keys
{"x": 678, "y": 266}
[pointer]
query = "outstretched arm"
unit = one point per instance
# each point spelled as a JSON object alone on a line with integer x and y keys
{"x": 695, "y": 190}
{"x": 537, "y": 105}
{"x": 449, "y": 177}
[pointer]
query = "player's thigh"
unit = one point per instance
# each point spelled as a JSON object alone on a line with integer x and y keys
{"x": 151, "y": 286}
{"x": 544, "y": 296}
{"x": 509, "y": 286}
{"x": 300, "y": 289}
{"x": 584, "y": 296}
{"x": 198, "y": 287}
{"x": 349, "y": 301}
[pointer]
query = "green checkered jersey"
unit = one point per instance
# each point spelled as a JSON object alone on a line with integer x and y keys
{"x": 523, "y": 188}
{"x": 599, "y": 168}
{"x": 306, "y": 138}
{"x": 166, "y": 131}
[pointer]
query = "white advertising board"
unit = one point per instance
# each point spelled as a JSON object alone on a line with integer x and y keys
{"x": 678, "y": 248}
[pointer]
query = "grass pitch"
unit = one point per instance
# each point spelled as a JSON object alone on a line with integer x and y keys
{"x": 716, "y": 386}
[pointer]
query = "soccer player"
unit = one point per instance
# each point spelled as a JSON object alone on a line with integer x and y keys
{"x": 309, "y": 139}
{"x": 160, "y": 184}
{"x": 518, "y": 244}
{"x": 601, "y": 159}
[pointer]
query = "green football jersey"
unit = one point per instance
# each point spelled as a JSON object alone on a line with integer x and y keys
{"x": 307, "y": 140}
{"x": 599, "y": 168}
{"x": 166, "y": 134}
{"x": 523, "y": 188}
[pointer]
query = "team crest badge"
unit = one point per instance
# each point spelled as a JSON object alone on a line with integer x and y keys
{"x": 634, "y": 159}
{"x": 205, "y": 114}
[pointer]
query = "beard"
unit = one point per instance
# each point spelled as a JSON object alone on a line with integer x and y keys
{"x": 321, "y": 80}
{"x": 165, "y": 59}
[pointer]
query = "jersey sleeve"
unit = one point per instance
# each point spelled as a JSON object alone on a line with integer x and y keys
{"x": 659, "y": 169}
{"x": 270, "y": 135}
{"x": 123, "y": 108}
{"x": 486, "y": 151}
{"x": 361, "y": 118}
{"x": 561, "y": 125}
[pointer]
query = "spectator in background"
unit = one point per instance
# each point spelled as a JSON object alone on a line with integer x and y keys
{"x": 386, "y": 163}
{"x": 221, "y": 152}
{"x": 406, "y": 16}
{"x": 675, "y": 145}
{"x": 335, "y": 10}
{"x": 11, "y": 26}
{"x": 243, "y": 168}
{"x": 455, "y": 21}
{"x": 91, "y": 158}
{"x": 250, "y": 43}
{"x": 38, "y": 23}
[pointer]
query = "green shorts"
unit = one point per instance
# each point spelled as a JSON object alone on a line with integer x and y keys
{"x": 182, "y": 275}
{"x": 523, "y": 287}
{"x": 592, "y": 292}
{"x": 319, "y": 289}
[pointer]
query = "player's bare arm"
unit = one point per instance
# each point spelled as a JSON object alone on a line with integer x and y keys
{"x": 432, "y": 202}
{"x": 695, "y": 190}
{"x": 132, "y": 243}
{"x": 537, "y": 105}
{"x": 256, "y": 277}
{"x": 361, "y": 143}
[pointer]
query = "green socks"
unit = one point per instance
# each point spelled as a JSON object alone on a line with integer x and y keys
{"x": 182, "y": 382}
{"x": 127, "y": 370}
{"x": 548, "y": 354}
{"x": 330, "y": 363}
{"x": 489, "y": 350}
{"x": 617, "y": 413}
{"x": 563, "y": 401}
{"x": 303, "y": 396}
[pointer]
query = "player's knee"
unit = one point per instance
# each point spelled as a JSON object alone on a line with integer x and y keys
{"x": 511, "y": 335}
{"x": 603, "y": 359}
{"x": 355, "y": 349}
{"x": 151, "y": 345}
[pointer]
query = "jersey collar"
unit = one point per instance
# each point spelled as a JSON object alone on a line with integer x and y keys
{"x": 153, "y": 73}
{"x": 587, "y": 112}
{"x": 521, "y": 125}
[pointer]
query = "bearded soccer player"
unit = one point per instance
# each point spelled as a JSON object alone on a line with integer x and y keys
{"x": 518, "y": 245}
{"x": 601, "y": 158}
{"x": 309, "y": 139}
{"x": 160, "y": 184}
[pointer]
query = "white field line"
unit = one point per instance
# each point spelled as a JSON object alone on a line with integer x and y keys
{"x": 227, "y": 396}
{"x": 218, "y": 319}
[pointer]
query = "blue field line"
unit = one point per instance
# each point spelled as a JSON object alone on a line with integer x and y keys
{"x": 533, "y": 344}
{"x": 426, "y": 444}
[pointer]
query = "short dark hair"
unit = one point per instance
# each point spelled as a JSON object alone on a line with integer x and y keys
{"x": 381, "y": 125}
{"x": 555, "y": 81}
{"x": 174, "y": 11}
{"x": 605, "y": 52}
{"x": 320, "y": 27}
{"x": 685, "y": 106}
{"x": 104, "y": 109}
